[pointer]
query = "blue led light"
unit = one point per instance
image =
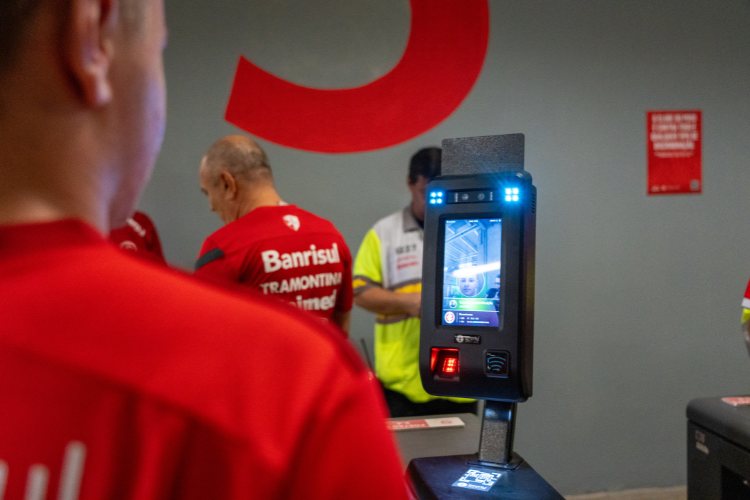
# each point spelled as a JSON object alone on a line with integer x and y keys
{"x": 436, "y": 197}
{"x": 512, "y": 194}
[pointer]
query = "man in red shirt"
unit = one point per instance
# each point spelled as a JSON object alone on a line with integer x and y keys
{"x": 124, "y": 380}
{"x": 266, "y": 244}
{"x": 139, "y": 236}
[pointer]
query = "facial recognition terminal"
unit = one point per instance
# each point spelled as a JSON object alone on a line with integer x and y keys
{"x": 477, "y": 319}
{"x": 476, "y": 336}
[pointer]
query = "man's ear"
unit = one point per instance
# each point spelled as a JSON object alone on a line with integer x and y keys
{"x": 89, "y": 48}
{"x": 228, "y": 184}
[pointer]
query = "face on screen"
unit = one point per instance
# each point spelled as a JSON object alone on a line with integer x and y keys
{"x": 468, "y": 285}
{"x": 471, "y": 272}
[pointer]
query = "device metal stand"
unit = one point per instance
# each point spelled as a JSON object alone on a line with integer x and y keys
{"x": 496, "y": 439}
{"x": 495, "y": 472}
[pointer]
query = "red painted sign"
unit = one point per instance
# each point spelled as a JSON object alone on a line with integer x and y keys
{"x": 674, "y": 152}
{"x": 442, "y": 61}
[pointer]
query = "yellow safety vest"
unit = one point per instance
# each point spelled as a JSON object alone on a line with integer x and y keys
{"x": 390, "y": 257}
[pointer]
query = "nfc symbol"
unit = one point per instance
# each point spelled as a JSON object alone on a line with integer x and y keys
{"x": 496, "y": 363}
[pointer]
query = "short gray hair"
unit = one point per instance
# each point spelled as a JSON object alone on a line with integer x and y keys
{"x": 241, "y": 156}
{"x": 15, "y": 16}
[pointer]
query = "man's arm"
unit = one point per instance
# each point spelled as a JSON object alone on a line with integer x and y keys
{"x": 344, "y": 299}
{"x": 212, "y": 265}
{"x": 381, "y": 301}
{"x": 343, "y": 320}
{"x": 368, "y": 276}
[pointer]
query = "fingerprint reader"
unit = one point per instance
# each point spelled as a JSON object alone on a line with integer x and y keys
{"x": 449, "y": 366}
{"x": 444, "y": 363}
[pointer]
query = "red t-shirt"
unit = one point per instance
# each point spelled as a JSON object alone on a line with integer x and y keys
{"x": 283, "y": 251}
{"x": 139, "y": 235}
{"x": 121, "y": 379}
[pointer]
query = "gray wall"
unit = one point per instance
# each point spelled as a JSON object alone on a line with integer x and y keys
{"x": 637, "y": 297}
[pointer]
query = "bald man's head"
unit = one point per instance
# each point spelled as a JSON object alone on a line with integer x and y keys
{"x": 240, "y": 156}
{"x": 236, "y": 178}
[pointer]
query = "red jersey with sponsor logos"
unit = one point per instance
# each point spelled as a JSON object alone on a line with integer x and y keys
{"x": 139, "y": 235}
{"x": 284, "y": 251}
{"x": 121, "y": 379}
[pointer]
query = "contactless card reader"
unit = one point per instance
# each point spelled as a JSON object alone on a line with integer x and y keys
{"x": 477, "y": 319}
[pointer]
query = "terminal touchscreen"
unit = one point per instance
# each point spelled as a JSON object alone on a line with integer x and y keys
{"x": 471, "y": 271}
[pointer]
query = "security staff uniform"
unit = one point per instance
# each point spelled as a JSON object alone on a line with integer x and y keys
{"x": 390, "y": 257}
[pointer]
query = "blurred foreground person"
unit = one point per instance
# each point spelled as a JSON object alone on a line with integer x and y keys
{"x": 124, "y": 380}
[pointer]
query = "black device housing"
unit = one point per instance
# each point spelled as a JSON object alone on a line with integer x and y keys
{"x": 482, "y": 196}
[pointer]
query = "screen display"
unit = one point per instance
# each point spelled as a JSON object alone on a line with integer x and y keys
{"x": 471, "y": 272}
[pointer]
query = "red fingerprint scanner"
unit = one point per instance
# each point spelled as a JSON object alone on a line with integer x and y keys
{"x": 444, "y": 363}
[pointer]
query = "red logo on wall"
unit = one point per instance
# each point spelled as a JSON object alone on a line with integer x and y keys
{"x": 442, "y": 61}
{"x": 674, "y": 152}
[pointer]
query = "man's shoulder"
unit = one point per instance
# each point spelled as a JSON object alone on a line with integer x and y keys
{"x": 242, "y": 231}
{"x": 279, "y": 218}
{"x": 148, "y": 303}
{"x": 209, "y": 343}
{"x": 219, "y": 236}
{"x": 158, "y": 337}
{"x": 390, "y": 222}
{"x": 312, "y": 225}
{"x": 313, "y": 218}
{"x": 397, "y": 226}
